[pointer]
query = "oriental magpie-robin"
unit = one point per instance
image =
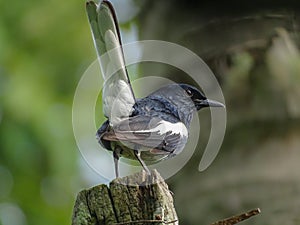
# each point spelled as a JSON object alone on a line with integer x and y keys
{"x": 148, "y": 129}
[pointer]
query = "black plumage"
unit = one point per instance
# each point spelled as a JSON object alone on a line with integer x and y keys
{"x": 148, "y": 129}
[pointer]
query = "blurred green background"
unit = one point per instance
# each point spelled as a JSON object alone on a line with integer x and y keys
{"x": 44, "y": 48}
{"x": 252, "y": 47}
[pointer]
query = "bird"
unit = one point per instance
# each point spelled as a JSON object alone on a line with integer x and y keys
{"x": 148, "y": 129}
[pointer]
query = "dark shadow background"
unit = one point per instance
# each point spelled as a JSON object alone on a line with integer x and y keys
{"x": 253, "y": 49}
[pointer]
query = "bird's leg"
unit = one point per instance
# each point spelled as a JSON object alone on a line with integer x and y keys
{"x": 138, "y": 156}
{"x": 116, "y": 153}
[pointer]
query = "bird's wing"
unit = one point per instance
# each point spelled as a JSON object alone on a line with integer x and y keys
{"x": 150, "y": 132}
{"x": 118, "y": 97}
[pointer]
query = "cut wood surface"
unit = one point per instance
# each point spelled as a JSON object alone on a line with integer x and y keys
{"x": 135, "y": 199}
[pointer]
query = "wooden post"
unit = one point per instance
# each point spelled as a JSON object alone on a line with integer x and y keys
{"x": 136, "y": 199}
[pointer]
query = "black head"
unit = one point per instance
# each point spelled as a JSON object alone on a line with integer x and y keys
{"x": 199, "y": 98}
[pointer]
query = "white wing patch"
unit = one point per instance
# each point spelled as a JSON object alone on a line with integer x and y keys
{"x": 164, "y": 127}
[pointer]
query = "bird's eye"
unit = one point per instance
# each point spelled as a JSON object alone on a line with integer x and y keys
{"x": 189, "y": 92}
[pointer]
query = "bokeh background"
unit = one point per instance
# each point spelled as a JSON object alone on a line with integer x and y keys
{"x": 253, "y": 49}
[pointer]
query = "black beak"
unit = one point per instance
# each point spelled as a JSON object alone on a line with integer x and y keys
{"x": 208, "y": 103}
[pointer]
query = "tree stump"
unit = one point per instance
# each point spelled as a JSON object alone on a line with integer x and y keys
{"x": 135, "y": 199}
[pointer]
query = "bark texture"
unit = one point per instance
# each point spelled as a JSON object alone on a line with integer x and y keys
{"x": 136, "y": 199}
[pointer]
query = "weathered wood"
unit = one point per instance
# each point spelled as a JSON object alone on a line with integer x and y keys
{"x": 136, "y": 199}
